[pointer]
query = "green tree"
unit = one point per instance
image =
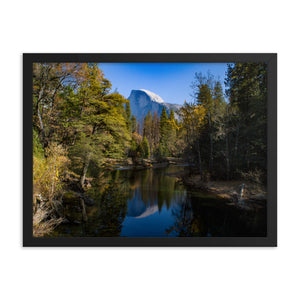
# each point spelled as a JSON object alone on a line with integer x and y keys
{"x": 163, "y": 129}
{"x": 148, "y": 129}
{"x": 134, "y": 123}
{"x": 205, "y": 99}
{"x": 49, "y": 80}
{"x": 218, "y": 96}
{"x": 172, "y": 116}
{"x": 163, "y": 125}
{"x": 155, "y": 131}
{"x": 172, "y": 133}
{"x": 128, "y": 116}
{"x": 193, "y": 123}
{"x": 103, "y": 128}
{"x": 247, "y": 91}
{"x": 208, "y": 93}
{"x": 145, "y": 147}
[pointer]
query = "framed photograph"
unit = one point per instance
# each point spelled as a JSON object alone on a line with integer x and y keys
{"x": 150, "y": 149}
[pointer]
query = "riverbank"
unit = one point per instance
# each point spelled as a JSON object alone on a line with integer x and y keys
{"x": 240, "y": 193}
{"x": 76, "y": 207}
{"x": 128, "y": 164}
{"x": 234, "y": 192}
{"x": 228, "y": 189}
{"x": 129, "y": 202}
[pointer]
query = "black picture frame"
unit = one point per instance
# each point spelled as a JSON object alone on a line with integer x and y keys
{"x": 271, "y": 238}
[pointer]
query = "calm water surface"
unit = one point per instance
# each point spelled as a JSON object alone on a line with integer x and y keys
{"x": 150, "y": 203}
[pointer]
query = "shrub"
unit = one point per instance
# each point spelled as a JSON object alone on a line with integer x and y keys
{"x": 255, "y": 176}
{"x": 38, "y": 150}
{"x": 49, "y": 171}
{"x": 48, "y": 174}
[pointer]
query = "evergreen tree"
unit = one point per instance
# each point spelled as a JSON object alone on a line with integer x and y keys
{"x": 133, "y": 123}
{"x": 172, "y": 131}
{"x": 247, "y": 92}
{"x": 163, "y": 129}
{"x": 128, "y": 116}
{"x": 172, "y": 116}
{"x": 218, "y": 96}
{"x": 148, "y": 130}
{"x": 155, "y": 131}
{"x": 193, "y": 124}
{"x": 205, "y": 99}
{"x": 163, "y": 123}
{"x": 145, "y": 147}
{"x": 209, "y": 94}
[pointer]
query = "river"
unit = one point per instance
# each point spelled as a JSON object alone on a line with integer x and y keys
{"x": 151, "y": 203}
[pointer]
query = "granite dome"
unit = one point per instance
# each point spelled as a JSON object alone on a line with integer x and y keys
{"x": 141, "y": 101}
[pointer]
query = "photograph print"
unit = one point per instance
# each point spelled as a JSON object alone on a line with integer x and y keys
{"x": 149, "y": 149}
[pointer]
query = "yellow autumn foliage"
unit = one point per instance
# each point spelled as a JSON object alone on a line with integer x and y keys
{"x": 48, "y": 172}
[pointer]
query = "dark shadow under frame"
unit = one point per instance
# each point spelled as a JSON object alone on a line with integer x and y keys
{"x": 270, "y": 240}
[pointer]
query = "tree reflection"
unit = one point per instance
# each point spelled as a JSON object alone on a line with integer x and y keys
{"x": 111, "y": 198}
{"x": 203, "y": 215}
{"x": 130, "y": 193}
{"x": 156, "y": 201}
{"x": 183, "y": 220}
{"x": 151, "y": 188}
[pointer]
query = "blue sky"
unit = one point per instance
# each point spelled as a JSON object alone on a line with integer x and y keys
{"x": 171, "y": 81}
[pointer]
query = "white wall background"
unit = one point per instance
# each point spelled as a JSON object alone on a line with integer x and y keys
{"x": 149, "y": 26}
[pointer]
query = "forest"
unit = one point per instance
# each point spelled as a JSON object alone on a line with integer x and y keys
{"x": 81, "y": 129}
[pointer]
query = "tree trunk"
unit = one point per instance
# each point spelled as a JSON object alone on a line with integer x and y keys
{"x": 42, "y": 129}
{"x": 199, "y": 159}
{"x": 227, "y": 146}
{"x": 227, "y": 157}
{"x": 211, "y": 161}
{"x": 84, "y": 171}
{"x": 236, "y": 145}
{"x": 211, "y": 144}
{"x": 84, "y": 216}
{"x": 236, "y": 141}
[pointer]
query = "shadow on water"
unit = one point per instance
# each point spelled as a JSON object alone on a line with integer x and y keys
{"x": 150, "y": 203}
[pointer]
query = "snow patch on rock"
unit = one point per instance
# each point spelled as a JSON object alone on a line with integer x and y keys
{"x": 153, "y": 96}
{"x": 143, "y": 101}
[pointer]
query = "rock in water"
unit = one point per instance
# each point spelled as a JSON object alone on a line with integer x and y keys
{"x": 141, "y": 101}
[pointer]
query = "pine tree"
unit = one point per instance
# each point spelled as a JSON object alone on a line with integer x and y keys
{"x": 247, "y": 91}
{"x": 209, "y": 94}
{"x": 163, "y": 129}
{"x": 155, "y": 131}
{"x": 133, "y": 123}
{"x": 145, "y": 147}
{"x": 148, "y": 129}
{"x": 193, "y": 124}
{"x": 172, "y": 131}
{"x": 128, "y": 116}
{"x": 163, "y": 124}
{"x": 218, "y": 96}
{"x": 172, "y": 116}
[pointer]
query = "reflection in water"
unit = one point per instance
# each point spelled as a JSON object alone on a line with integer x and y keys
{"x": 139, "y": 209}
{"x": 202, "y": 215}
{"x": 149, "y": 203}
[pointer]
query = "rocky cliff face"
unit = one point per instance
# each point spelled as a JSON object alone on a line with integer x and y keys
{"x": 141, "y": 101}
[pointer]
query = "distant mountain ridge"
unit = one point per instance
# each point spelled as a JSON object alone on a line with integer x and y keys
{"x": 141, "y": 101}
